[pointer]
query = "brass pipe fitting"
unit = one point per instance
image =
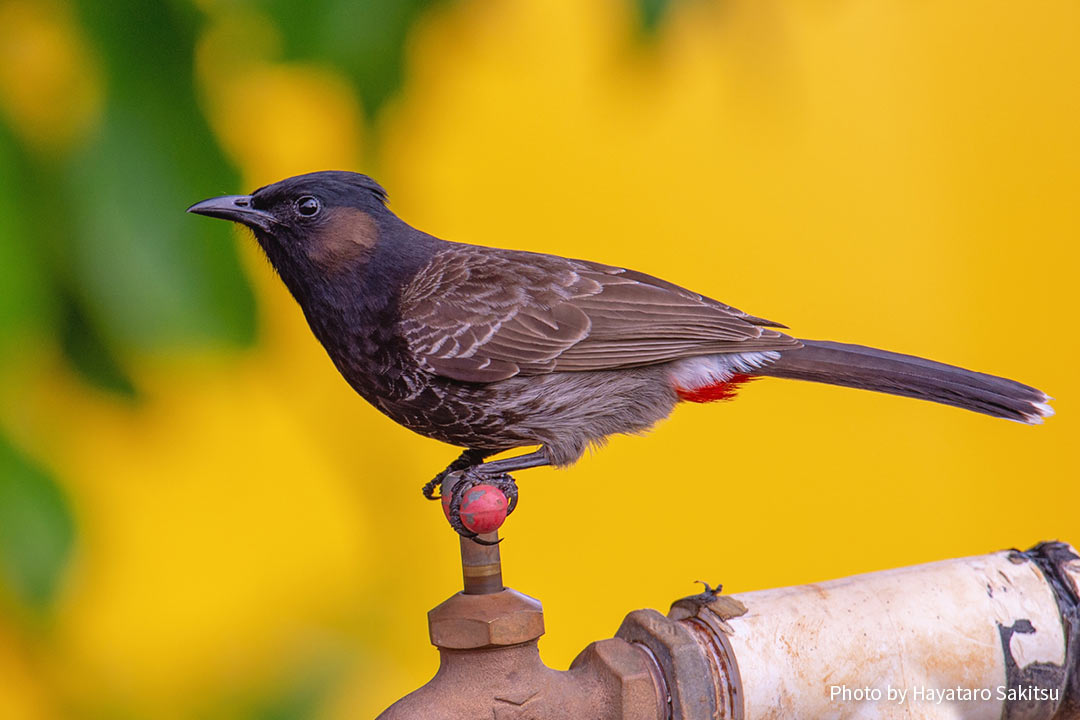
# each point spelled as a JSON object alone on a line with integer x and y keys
{"x": 490, "y": 667}
{"x": 1004, "y": 621}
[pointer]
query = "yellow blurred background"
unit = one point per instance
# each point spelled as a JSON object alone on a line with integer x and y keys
{"x": 235, "y": 534}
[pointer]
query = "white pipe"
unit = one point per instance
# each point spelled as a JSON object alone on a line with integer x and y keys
{"x": 968, "y": 638}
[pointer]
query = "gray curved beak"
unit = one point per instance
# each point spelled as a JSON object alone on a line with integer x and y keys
{"x": 237, "y": 208}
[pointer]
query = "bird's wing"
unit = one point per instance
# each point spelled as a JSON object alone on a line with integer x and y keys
{"x": 480, "y": 314}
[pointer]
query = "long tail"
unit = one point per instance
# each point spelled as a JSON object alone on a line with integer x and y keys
{"x": 888, "y": 372}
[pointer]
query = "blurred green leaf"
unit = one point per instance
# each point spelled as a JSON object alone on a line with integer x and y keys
{"x": 37, "y": 530}
{"x": 651, "y": 13}
{"x": 88, "y": 351}
{"x": 366, "y": 39}
{"x": 153, "y": 277}
{"x": 25, "y": 306}
{"x": 35, "y": 265}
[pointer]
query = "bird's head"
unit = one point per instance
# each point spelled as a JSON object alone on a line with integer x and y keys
{"x": 320, "y": 224}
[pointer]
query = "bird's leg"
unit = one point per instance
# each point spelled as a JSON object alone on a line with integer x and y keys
{"x": 496, "y": 474}
{"x": 537, "y": 458}
{"x": 467, "y": 459}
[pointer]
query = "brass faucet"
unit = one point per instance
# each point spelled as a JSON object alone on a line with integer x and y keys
{"x": 711, "y": 658}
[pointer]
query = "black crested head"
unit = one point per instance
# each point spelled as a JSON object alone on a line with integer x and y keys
{"x": 330, "y": 237}
{"x": 314, "y": 227}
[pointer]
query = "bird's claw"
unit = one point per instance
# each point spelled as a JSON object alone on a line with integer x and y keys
{"x": 431, "y": 485}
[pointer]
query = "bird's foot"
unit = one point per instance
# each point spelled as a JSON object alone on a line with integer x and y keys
{"x": 472, "y": 477}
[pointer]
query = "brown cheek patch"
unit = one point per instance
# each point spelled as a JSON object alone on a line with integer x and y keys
{"x": 346, "y": 241}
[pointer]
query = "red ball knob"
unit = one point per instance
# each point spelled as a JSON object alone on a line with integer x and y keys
{"x": 483, "y": 508}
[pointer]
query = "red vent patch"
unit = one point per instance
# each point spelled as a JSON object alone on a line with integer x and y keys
{"x": 725, "y": 390}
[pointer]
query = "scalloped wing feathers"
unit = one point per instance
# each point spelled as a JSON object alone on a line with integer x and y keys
{"x": 477, "y": 314}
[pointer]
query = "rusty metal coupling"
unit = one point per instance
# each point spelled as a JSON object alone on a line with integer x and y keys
{"x": 690, "y": 647}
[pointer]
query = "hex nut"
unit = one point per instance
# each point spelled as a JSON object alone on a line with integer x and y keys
{"x": 622, "y": 671}
{"x": 466, "y": 622}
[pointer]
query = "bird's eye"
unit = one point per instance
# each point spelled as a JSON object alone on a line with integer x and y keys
{"x": 308, "y": 206}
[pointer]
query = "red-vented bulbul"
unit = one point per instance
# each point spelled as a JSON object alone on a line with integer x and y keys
{"x": 492, "y": 349}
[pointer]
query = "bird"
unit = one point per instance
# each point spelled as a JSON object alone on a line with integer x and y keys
{"x": 492, "y": 349}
